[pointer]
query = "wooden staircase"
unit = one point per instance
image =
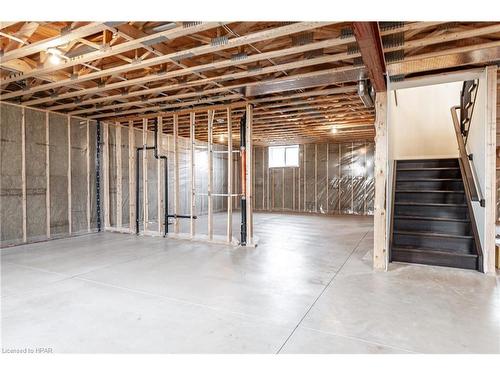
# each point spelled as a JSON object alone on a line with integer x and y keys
{"x": 432, "y": 222}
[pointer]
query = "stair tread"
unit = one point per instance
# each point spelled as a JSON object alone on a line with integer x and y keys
{"x": 427, "y": 179}
{"x": 430, "y": 204}
{"x": 436, "y": 159}
{"x": 431, "y": 218}
{"x": 432, "y": 234}
{"x": 428, "y": 169}
{"x": 430, "y": 191}
{"x": 422, "y": 249}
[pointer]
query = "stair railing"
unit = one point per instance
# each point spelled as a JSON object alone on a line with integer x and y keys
{"x": 470, "y": 179}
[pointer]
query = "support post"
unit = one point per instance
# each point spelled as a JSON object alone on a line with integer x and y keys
{"x": 47, "y": 172}
{"x": 23, "y": 173}
{"x": 105, "y": 172}
{"x": 87, "y": 157}
{"x": 249, "y": 174}
{"x": 176, "y": 172}
{"x": 229, "y": 176}
{"x": 70, "y": 204}
{"x": 119, "y": 193}
{"x": 131, "y": 174}
{"x": 145, "y": 202}
{"x": 380, "y": 221}
{"x": 490, "y": 183}
{"x": 211, "y": 114}
{"x": 159, "y": 198}
{"x": 192, "y": 223}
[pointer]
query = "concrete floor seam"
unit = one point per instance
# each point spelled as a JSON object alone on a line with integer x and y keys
{"x": 322, "y": 292}
{"x": 361, "y": 339}
{"x": 172, "y": 299}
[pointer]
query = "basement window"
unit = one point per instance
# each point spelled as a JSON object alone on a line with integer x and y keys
{"x": 283, "y": 156}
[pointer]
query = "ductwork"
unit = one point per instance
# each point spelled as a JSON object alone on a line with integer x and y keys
{"x": 365, "y": 92}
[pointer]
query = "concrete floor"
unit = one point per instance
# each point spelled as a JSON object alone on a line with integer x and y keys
{"x": 307, "y": 288}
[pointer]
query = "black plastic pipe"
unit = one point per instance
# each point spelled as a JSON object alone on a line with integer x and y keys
{"x": 243, "y": 200}
{"x": 137, "y": 170}
{"x": 98, "y": 175}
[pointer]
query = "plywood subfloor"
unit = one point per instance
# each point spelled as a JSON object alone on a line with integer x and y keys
{"x": 307, "y": 288}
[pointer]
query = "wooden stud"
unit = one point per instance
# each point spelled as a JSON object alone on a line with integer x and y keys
{"x": 379, "y": 219}
{"x": 327, "y": 179}
{"x": 23, "y": 173}
{"x": 131, "y": 174}
{"x": 211, "y": 114}
{"x": 145, "y": 200}
{"x": 159, "y": 196}
{"x": 305, "y": 182}
{"x": 315, "y": 178}
{"x": 283, "y": 188}
{"x": 300, "y": 154}
{"x": 119, "y": 190}
{"x": 249, "y": 174}
{"x": 293, "y": 189}
{"x": 192, "y": 156}
{"x": 47, "y": 172}
{"x": 176, "y": 172}
{"x": 229, "y": 176}
{"x": 263, "y": 177}
{"x": 490, "y": 175}
{"x": 70, "y": 204}
{"x": 105, "y": 168}
{"x": 87, "y": 157}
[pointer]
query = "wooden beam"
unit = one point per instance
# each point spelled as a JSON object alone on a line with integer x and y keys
{"x": 55, "y": 41}
{"x": 380, "y": 221}
{"x": 370, "y": 45}
{"x": 112, "y": 50}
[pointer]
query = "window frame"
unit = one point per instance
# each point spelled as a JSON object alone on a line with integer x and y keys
{"x": 284, "y": 149}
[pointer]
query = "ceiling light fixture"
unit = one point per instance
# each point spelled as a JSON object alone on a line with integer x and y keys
{"x": 54, "y": 55}
{"x": 334, "y": 130}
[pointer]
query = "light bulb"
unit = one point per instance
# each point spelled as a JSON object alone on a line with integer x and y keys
{"x": 54, "y": 59}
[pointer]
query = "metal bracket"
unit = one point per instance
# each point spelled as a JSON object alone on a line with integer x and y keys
{"x": 482, "y": 203}
{"x": 470, "y": 157}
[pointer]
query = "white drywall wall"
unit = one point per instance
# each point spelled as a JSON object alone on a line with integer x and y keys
{"x": 420, "y": 123}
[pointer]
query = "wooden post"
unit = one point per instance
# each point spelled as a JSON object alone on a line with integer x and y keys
{"x": 305, "y": 180}
{"x": 283, "y": 189}
{"x": 327, "y": 179}
{"x": 145, "y": 199}
{"x": 23, "y": 173}
{"x": 490, "y": 175}
{"x": 229, "y": 177}
{"x": 70, "y": 204}
{"x": 249, "y": 174}
{"x": 315, "y": 178}
{"x": 159, "y": 196}
{"x": 87, "y": 157}
{"x": 379, "y": 219}
{"x": 192, "y": 140}
{"x": 105, "y": 172}
{"x": 47, "y": 171}
{"x": 118, "y": 175}
{"x": 131, "y": 175}
{"x": 211, "y": 114}
{"x": 176, "y": 172}
{"x": 298, "y": 201}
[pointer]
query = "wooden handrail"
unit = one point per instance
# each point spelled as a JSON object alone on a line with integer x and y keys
{"x": 469, "y": 182}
